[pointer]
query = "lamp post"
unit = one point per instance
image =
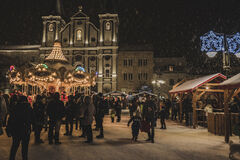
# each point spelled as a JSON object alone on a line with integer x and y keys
{"x": 158, "y": 83}
{"x": 211, "y": 43}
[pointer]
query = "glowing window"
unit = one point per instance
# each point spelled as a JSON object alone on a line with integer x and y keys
{"x": 79, "y": 35}
{"x": 50, "y": 27}
{"x": 108, "y": 26}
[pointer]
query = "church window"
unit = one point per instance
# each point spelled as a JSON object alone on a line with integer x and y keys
{"x": 107, "y": 73}
{"x": 93, "y": 39}
{"x": 79, "y": 35}
{"x": 108, "y": 26}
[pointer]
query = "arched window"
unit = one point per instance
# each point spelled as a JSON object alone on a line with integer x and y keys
{"x": 51, "y": 27}
{"x": 108, "y": 26}
{"x": 79, "y": 35}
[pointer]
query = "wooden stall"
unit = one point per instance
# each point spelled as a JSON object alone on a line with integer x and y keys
{"x": 197, "y": 88}
{"x": 231, "y": 89}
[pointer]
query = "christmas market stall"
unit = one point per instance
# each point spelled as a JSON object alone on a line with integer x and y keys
{"x": 231, "y": 90}
{"x": 55, "y": 74}
{"x": 193, "y": 90}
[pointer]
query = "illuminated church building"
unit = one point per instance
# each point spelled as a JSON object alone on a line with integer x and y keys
{"x": 83, "y": 44}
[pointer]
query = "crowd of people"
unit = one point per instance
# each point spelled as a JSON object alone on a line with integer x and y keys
{"x": 20, "y": 115}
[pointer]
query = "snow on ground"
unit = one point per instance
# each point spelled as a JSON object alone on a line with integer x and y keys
{"x": 175, "y": 143}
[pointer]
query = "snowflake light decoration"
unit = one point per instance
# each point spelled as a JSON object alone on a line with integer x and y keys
{"x": 233, "y": 44}
{"x": 212, "y": 42}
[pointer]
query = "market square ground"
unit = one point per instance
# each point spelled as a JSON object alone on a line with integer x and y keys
{"x": 175, "y": 143}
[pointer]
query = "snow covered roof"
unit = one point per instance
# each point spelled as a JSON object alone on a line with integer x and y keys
{"x": 115, "y": 93}
{"x": 233, "y": 82}
{"x": 56, "y": 53}
{"x": 195, "y": 83}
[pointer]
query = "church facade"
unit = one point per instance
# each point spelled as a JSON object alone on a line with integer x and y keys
{"x": 83, "y": 44}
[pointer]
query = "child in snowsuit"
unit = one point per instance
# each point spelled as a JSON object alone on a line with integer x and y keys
{"x": 136, "y": 119}
{"x": 112, "y": 113}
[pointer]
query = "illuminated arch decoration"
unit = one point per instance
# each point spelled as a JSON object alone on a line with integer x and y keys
{"x": 233, "y": 43}
{"x": 211, "y": 43}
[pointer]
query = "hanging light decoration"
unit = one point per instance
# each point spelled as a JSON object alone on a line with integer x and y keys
{"x": 233, "y": 43}
{"x": 211, "y": 43}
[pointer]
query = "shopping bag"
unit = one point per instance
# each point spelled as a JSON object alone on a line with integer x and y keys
{"x": 145, "y": 126}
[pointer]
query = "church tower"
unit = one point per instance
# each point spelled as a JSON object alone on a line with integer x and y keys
{"x": 52, "y": 25}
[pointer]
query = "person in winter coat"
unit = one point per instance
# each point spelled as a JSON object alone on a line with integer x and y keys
{"x": 19, "y": 126}
{"x": 162, "y": 115}
{"x": 70, "y": 114}
{"x": 38, "y": 111}
{"x": 3, "y": 112}
{"x": 136, "y": 119}
{"x": 149, "y": 109}
{"x": 112, "y": 113}
{"x": 118, "y": 109}
{"x": 88, "y": 112}
{"x": 100, "y": 111}
{"x": 55, "y": 111}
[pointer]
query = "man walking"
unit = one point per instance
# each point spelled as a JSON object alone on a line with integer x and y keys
{"x": 55, "y": 111}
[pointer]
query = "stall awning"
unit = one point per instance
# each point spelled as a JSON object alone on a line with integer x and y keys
{"x": 144, "y": 92}
{"x": 233, "y": 82}
{"x": 195, "y": 83}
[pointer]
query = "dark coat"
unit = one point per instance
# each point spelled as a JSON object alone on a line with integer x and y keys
{"x": 149, "y": 109}
{"x": 38, "y": 111}
{"x": 20, "y": 120}
{"x": 55, "y": 109}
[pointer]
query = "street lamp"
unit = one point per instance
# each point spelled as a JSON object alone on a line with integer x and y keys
{"x": 212, "y": 42}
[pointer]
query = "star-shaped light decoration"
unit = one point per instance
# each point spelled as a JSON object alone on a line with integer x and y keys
{"x": 211, "y": 43}
{"x": 233, "y": 43}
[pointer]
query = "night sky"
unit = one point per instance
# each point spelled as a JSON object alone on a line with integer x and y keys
{"x": 172, "y": 27}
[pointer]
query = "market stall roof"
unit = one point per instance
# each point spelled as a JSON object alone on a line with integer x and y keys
{"x": 233, "y": 82}
{"x": 144, "y": 92}
{"x": 190, "y": 85}
{"x": 115, "y": 93}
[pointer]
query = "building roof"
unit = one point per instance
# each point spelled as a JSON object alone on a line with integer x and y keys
{"x": 191, "y": 85}
{"x": 56, "y": 54}
{"x": 233, "y": 82}
{"x": 19, "y": 47}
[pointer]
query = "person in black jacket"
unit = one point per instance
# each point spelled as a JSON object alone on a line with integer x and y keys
{"x": 39, "y": 111}
{"x": 149, "y": 109}
{"x": 136, "y": 119}
{"x": 118, "y": 109}
{"x": 55, "y": 111}
{"x": 19, "y": 126}
{"x": 70, "y": 112}
{"x": 162, "y": 115}
{"x": 100, "y": 114}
